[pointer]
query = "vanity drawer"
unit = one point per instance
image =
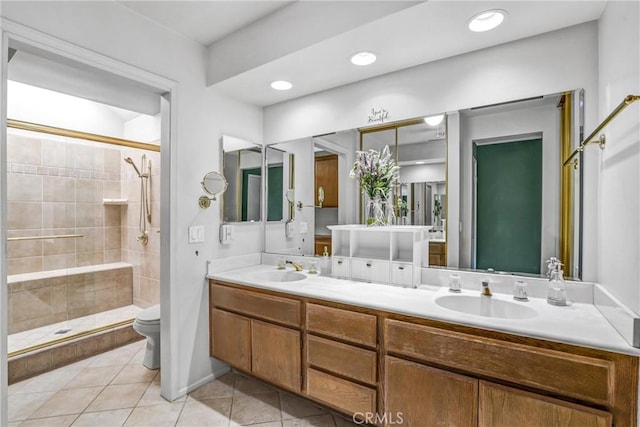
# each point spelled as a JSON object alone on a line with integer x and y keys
{"x": 370, "y": 270}
{"x": 340, "y": 267}
{"x": 402, "y": 274}
{"x": 359, "y": 328}
{"x": 339, "y": 393}
{"x": 343, "y": 359}
{"x": 567, "y": 374}
{"x": 254, "y": 304}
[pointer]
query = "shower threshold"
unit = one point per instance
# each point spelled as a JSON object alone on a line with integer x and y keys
{"x": 34, "y": 339}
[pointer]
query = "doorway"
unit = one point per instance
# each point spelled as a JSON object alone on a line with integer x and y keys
{"x": 508, "y": 205}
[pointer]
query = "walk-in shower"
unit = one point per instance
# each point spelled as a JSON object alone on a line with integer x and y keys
{"x": 77, "y": 272}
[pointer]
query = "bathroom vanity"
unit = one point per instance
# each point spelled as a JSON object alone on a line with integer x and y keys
{"x": 366, "y": 349}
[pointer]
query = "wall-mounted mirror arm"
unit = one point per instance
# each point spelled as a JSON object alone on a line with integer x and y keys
{"x": 213, "y": 184}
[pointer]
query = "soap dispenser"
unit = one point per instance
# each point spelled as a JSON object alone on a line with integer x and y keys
{"x": 557, "y": 291}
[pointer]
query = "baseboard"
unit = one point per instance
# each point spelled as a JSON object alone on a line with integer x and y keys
{"x": 212, "y": 376}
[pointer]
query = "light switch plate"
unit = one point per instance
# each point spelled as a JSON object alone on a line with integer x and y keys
{"x": 196, "y": 234}
{"x": 304, "y": 227}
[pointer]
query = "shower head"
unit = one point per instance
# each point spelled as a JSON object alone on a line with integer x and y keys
{"x": 130, "y": 161}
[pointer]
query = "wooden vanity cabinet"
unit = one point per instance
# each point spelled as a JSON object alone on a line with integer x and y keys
{"x": 418, "y": 395}
{"x": 247, "y": 332}
{"x": 418, "y": 372}
{"x": 341, "y": 358}
{"x": 501, "y": 406}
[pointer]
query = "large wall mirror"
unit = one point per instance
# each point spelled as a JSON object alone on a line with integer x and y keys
{"x": 322, "y": 193}
{"x": 242, "y": 167}
{"x": 515, "y": 191}
{"x": 517, "y": 205}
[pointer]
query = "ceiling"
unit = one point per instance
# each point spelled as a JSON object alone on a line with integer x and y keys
{"x": 317, "y": 57}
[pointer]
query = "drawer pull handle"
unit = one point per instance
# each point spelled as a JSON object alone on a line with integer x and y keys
{"x": 369, "y": 264}
{"x": 401, "y": 267}
{"x": 339, "y": 262}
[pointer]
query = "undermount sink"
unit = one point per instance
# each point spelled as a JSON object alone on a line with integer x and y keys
{"x": 485, "y": 306}
{"x": 282, "y": 276}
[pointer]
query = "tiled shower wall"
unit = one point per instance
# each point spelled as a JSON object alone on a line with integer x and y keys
{"x": 144, "y": 258}
{"x": 56, "y": 186}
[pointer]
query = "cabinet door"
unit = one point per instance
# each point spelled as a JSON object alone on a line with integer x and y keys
{"x": 327, "y": 178}
{"x": 505, "y": 406}
{"x": 230, "y": 339}
{"x": 418, "y": 395}
{"x": 275, "y": 354}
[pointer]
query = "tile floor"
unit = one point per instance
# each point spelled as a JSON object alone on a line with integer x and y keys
{"x": 47, "y": 333}
{"x": 114, "y": 389}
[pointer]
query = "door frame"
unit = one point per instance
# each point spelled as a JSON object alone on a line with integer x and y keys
{"x": 12, "y": 32}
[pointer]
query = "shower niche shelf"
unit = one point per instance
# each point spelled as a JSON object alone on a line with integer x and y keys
{"x": 115, "y": 201}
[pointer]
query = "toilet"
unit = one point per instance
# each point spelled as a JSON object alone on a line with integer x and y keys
{"x": 147, "y": 324}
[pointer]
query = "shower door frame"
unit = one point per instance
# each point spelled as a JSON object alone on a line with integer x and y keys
{"x": 12, "y": 32}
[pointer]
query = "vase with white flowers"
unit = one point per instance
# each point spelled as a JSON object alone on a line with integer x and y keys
{"x": 377, "y": 172}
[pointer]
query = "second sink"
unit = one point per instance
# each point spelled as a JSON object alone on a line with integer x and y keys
{"x": 485, "y": 306}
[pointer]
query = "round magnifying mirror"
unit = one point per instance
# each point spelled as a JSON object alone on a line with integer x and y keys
{"x": 213, "y": 184}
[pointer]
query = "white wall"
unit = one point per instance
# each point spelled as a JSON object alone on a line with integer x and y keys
{"x": 549, "y": 63}
{"x": 33, "y": 104}
{"x": 201, "y": 117}
{"x": 540, "y": 119}
{"x": 618, "y": 209}
{"x": 423, "y": 173}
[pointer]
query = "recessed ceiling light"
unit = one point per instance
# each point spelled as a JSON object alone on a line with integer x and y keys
{"x": 281, "y": 85}
{"x": 487, "y": 20}
{"x": 434, "y": 120}
{"x": 363, "y": 58}
{"x": 420, "y": 163}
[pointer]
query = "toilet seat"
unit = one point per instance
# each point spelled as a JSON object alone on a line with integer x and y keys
{"x": 149, "y": 316}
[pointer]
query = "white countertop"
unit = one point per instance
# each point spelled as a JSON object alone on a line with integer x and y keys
{"x": 579, "y": 324}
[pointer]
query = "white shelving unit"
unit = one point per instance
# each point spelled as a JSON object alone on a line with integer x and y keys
{"x": 391, "y": 254}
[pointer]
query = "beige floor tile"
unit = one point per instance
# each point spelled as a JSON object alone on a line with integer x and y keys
{"x": 67, "y": 402}
{"x": 118, "y": 396}
{"x": 119, "y": 356}
{"x": 295, "y": 407}
{"x": 138, "y": 358}
{"x": 152, "y": 395}
{"x": 220, "y": 387}
{"x": 135, "y": 374}
{"x": 325, "y": 420}
{"x": 94, "y": 376}
{"x": 252, "y": 409}
{"x": 20, "y": 406}
{"x": 50, "y": 381}
{"x": 63, "y": 421}
{"x": 246, "y": 385}
{"x": 155, "y": 416}
{"x": 271, "y": 424}
{"x": 205, "y": 413}
{"x": 115, "y": 418}
{"x": 344, "y": 421}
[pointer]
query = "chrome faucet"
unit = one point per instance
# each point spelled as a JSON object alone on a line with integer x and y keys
{"x": 486, "y": 292}
{"x": 295, "y": 265}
